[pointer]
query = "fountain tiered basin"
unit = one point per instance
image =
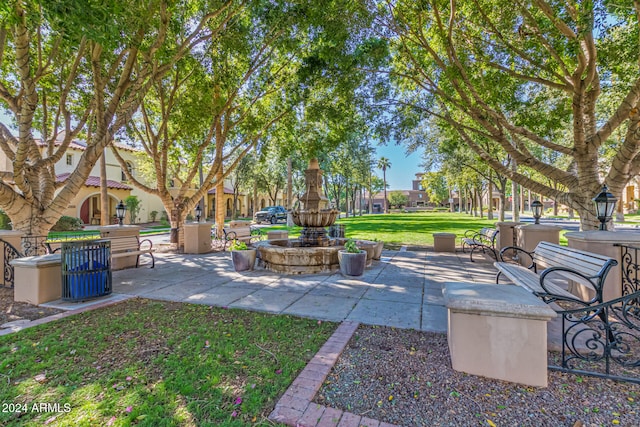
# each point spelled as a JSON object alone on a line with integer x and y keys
{"x": 314, "y": 251}
{"x": 314, "y": 218}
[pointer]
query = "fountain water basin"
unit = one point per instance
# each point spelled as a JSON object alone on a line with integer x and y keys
{"x": 290, "y": 257}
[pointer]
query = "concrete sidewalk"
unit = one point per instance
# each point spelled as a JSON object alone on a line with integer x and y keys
{"x": 402, "y": 290}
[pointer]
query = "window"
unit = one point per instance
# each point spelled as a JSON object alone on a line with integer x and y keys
{"x": 124, "y": 175}
{"x": 419, "y": 196}
{"x": 70, "y": 159}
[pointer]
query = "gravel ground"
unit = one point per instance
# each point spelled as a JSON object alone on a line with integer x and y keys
{"x": 405, "y": 377}
{"x": 11, "y": 311}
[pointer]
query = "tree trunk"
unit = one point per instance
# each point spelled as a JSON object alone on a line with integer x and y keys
{"x": 104, "y": 191}
{"x": 202, "y": 199}
{"x": 503, "y": 202}
{"x": 490, "y": 197}
{"x": 220, "y": 206}
{"x": 177, "y": 221}
{"x": 452, "y": 207}
{"x": 515, "y": 202}
{"x": 384, "y": 180}
{"x": 289, "y": 184}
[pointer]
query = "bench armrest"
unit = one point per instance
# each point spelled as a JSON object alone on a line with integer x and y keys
{"x": 472, "y": 234}
{"x": 144, "y": 241}
{"x": 572, "y": 272}
{"x": 516, "y": 249}
{"x": 256, "y": 232}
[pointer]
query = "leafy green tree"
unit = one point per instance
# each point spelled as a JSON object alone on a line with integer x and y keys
{"x": 436, "y": 186}
{"x": 68, "y": 72}
{"x": 373, "y": 185}
{"x": 133, "y": 208}
{"x": 384, "y": 164}
{"x": 397, "y": 199}
{"x": 271, "y": 176}
{"x": 524, "y": 75}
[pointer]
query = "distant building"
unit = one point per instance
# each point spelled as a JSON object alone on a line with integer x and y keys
{"x": 416, "y": 197}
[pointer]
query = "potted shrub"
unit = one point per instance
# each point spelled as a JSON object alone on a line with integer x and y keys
{"x": 242, "y": 256}
{"x": 352, "y": 260}
{"x": 377, "y": 253}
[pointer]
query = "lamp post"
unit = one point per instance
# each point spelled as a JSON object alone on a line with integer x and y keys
{"x": 605, "y": 204}
{"x": 198, "y": 211}
{"x": 120, "y": 210}
{"x": 536, "y": 207}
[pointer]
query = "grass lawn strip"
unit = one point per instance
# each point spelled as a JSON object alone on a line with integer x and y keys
{"x": 155, "y": 363}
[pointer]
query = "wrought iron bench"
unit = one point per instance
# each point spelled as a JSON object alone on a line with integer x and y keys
{"x": 247, "y": 234}
{"x": 131, "y": 245}
{"x": 550, "y": 266}
{"x": 123, "y": 246}
{"x": 484, "y": 240}
{"x": 599, "y": 338}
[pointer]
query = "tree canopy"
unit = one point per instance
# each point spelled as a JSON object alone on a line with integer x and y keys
{"x": 544, "y": 93}
{"x": 531, "y": 79}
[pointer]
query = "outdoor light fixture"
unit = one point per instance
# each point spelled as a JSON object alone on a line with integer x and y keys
{"x": 536, "y": 207}
{"x": 120, "y": 210}
{"x": 605, "y": 204}
{"x": 198, "y": 212}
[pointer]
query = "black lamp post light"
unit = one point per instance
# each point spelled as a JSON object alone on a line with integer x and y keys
{"x": 605, "y": 204}
{"x": 536, "y": 207}
{"x": 120, "y": 211}
{"x": 198, "y": 211}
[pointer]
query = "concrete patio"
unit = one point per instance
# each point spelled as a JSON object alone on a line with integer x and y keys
{"x": 403, "y": 289}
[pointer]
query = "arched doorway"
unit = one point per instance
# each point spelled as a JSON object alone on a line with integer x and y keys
{"x": 90, "y": 210}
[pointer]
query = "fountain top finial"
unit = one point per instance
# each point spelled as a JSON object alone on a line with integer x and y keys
{"x": 313, "y": 164}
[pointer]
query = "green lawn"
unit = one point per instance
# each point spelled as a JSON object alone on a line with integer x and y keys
{"x": 412, "y": 229}
{"x": 396, "y": 229}
{"x": 154, "y": 363}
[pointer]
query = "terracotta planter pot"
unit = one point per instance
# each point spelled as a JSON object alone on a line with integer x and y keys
{"x": 243, "y": 260}
{"x": 377, "y": 253}
{"x": 352, "y": 264}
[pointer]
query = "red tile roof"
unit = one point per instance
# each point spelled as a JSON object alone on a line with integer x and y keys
{"x": 227, "y": 190}
{"x": 94, "y": 181}
{"x": 81, "y": 145}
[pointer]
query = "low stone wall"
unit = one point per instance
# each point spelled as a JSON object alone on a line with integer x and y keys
{"x": 498, "y": 331}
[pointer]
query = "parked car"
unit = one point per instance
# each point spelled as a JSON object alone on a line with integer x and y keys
{"x": 271, "y": 214}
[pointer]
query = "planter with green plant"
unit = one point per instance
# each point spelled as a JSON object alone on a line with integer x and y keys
{"x": 377, "y": 252}
{"x": 242, "y": 256}
{"x": 352, "y": 260}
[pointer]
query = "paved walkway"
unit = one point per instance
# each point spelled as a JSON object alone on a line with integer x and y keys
{"x": 403, "y": 290}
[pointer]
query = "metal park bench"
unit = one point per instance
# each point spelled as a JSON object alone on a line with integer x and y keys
{"x": 484, "y": 240}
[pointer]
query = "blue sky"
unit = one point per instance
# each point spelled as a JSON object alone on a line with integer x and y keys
{"x": 403, "y": 168}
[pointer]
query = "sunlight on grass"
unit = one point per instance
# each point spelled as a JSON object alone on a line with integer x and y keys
{"x": 397, "y": 229}
{"x": 145, "y": 362}
{"x": 414, "y": 229}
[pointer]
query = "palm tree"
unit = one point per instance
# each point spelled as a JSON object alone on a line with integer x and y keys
{"x": 384, "y": 164}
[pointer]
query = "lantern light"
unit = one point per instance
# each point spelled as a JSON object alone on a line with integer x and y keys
{"x": 605, "y": 204}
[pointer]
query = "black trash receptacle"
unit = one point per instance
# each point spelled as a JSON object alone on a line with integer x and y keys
{"x": 86, "y": 269}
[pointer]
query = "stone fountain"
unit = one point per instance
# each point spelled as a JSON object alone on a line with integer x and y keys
{"x": 313, "y": 251}
{"x": 315, "y": 216}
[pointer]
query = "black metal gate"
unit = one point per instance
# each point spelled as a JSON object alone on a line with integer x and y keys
{"x": 604, "y": 340}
